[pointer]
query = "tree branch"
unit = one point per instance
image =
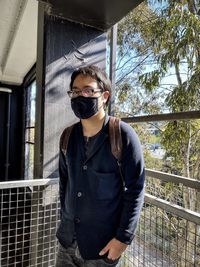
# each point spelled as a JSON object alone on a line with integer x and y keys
{"x": 140, "y": 63}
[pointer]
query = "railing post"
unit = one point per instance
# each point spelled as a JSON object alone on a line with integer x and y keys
{"x": 113, "y": 53}
{"x": 39, "y": 130}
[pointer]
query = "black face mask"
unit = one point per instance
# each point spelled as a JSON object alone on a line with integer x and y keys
{"x": 85, "y": 107}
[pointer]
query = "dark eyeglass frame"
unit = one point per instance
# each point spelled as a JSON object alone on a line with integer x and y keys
{"x": 76, "y": 93}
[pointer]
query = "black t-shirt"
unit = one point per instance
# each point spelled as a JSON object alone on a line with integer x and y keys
{"x": 90, "y": 143}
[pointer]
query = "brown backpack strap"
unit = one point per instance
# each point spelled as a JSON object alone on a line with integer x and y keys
{"x": 64, "y": 139}
{"x": 115, "y": 137}
{"x": 116, "y": 143}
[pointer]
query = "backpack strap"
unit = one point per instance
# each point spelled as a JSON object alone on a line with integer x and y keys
{"x": 116, "y": 143}
{"x": 64, "y": 139}
{"x": 115, "y": 137}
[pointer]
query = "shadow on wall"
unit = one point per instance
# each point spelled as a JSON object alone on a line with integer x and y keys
{"x": 68, "y": 47}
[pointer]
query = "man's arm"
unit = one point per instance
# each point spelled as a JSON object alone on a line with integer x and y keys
{"x": 133, "y": 175}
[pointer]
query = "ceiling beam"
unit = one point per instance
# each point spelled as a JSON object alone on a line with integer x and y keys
{"x": 13, "y": 33}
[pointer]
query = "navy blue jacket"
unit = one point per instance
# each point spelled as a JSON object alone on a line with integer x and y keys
{"x": 94, "y": 204}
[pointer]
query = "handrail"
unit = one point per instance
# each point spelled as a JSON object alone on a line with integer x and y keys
{"x": 28, "y": 183}
{"x": 188, "y": 115}
{"x": 158, "y": 202}
{"x": 192, "y": 183}
{"x": 186, "y": 214}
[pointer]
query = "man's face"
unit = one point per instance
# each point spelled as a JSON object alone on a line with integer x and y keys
{"x": 82, "y": 85}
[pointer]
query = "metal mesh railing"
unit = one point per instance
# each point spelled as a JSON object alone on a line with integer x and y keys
{"x": 163, "y": 239}
{"x": 168, "y": 235}
{"x": 178, "y": 190}
{"x": 29, "y": 214}
{"x": 174, "y": 193}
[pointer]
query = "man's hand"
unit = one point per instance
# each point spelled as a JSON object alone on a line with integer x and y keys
{"x": 114, "y": 248}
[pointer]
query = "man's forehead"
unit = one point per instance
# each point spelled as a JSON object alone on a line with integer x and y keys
{"x": 85, "y": 81}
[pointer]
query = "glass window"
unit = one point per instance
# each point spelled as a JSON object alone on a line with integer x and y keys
{"x": 30, "y": 130}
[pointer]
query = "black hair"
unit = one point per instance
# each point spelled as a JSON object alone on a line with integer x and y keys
{"x": 96, "y": 73}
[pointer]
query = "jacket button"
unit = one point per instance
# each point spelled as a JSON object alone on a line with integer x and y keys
{"x": 79, "y": 194}
{"x": 85, "y": 167}
{"x": 77, "y": 220}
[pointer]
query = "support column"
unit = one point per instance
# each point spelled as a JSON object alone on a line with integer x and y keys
{"x": 113, "y": 55}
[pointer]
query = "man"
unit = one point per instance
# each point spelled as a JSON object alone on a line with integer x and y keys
{"x": 98, "y": 214}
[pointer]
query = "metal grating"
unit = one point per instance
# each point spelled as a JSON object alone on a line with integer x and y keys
{"x": 163, "y": 239}
{"x": 29, "y": 218}
{"x": 181, "y": 191}
{"x": 176, "y": 194}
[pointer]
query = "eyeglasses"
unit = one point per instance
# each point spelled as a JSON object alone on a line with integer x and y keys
{"x": 87, "y": 92}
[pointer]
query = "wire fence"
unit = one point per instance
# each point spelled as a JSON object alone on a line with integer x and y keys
{"x": 174, "y": 193}
{"x": 29, "y": 216}
{"x": 163, "y": 239}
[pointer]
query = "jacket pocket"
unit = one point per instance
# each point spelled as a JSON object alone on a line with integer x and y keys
{"x": 107, "y": 185}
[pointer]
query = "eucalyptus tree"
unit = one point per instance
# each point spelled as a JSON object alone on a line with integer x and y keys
{"x": 159, "y": 55}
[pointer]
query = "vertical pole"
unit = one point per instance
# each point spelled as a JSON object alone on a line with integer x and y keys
{"x": 8, "y": 91}
{"x": 7, "y": 139}
{"x": 113, "y": 52}
{"x": 39, "y": 125}
{"x": 36, "y": 200}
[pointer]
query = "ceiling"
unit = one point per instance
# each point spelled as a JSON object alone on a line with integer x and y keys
{"x": 18, "y": 28}
{"x": 100, "y": 14}
{"x": 18, "y": 39}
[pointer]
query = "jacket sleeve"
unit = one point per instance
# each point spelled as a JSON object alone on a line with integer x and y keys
{"x": 133, "y": 176}
{"x": 63, "y": 174}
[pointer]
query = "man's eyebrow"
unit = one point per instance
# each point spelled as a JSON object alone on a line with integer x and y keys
{"x": 77, "y": 88}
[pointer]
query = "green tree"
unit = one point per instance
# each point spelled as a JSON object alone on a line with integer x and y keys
{"x": 157, "y": 38}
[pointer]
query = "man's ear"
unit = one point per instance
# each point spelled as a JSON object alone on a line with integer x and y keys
{"x": 106, "y": 95}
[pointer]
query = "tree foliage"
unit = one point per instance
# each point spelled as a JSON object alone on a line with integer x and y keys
{"x": 157, "y": 38}
{"x": 159, "y": 69}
